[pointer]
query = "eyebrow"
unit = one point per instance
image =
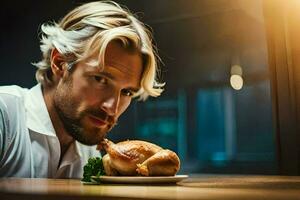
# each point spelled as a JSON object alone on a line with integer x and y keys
{"x": 106, "y": 74}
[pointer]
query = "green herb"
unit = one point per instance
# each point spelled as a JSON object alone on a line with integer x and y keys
{"x": 94, "y": 167}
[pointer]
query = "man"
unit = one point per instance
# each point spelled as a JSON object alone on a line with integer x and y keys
{"x": 94, "y": 62}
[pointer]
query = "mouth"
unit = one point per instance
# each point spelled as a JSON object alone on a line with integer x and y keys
{"x": 97, "y": 122}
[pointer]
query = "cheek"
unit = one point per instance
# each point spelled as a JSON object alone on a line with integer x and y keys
{"x": 79, "y": 87}
{"x": 84, "y": 93}
{"x": 86, "y": 100}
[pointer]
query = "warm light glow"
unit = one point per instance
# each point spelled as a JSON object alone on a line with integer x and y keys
{"x": 236, "y": 70}
{"x": 236, "y": 82}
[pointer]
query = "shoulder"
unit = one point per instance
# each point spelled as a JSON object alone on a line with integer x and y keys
{"x": 10, "y": 99}
{"x": 12, "y": 91}
{"x": 11, "y": 96}
{"x": 12, "y": 120}
{"x": 11, "y": 108}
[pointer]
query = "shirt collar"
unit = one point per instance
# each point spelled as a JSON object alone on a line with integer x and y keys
{"x": 38, "y": 118}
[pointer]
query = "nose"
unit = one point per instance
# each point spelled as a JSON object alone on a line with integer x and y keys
{"x": 111, "y": 104}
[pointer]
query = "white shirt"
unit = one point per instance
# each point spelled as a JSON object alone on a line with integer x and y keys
{"x": 29, "y": 146}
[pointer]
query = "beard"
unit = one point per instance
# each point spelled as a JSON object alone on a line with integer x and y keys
{"x": 73, "y": 120}
{"x": 74, "y": 126}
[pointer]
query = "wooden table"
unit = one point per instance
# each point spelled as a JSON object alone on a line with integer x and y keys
{"x": 197, "y": 187}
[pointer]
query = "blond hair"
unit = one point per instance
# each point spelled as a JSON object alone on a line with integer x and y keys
{"x": 90, "y": 28}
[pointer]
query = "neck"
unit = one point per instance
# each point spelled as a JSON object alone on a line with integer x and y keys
{"x": 64, "y": 138}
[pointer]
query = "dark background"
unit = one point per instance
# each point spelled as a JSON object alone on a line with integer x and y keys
{"x": 19, "y": 43}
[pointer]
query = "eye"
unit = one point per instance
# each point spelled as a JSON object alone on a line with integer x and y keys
{"x": 127, "y": 93}
{"x": 100, "y": 79}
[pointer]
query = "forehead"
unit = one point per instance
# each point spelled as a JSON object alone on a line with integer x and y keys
{"x": 123, "y": 64}
{"x": 125, "y": 59}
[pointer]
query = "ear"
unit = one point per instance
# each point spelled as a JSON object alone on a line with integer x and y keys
{"x": 57, "y": 64}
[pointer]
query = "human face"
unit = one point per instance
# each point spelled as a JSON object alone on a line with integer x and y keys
{"x": 89, "y": 101}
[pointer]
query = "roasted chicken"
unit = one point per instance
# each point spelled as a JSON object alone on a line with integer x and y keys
{"x": 138, "y": 158}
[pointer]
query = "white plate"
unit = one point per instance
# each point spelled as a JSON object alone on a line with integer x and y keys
{"x": 140, "y": 179}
